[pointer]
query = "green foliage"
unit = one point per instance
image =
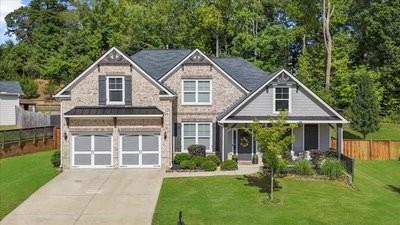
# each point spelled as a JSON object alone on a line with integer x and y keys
{"x": 273, "y": 140}
{"x": 197, "y": 150}
{"x": 51, "y": 89}
{"x": 214, "y": 158}
{"x": 364, "y": 111}
{"x": 198, "y": 160}
{"x": 56, "y": 159}
{"x": 303, "y": 167}
{"x": 209, "y": 165}
{"x": 188, "y": 164}
{"x": 229, "y": 165}
{"x": 181, "y": 157}
{"x": 332, "y": 168}
{"x": 282, "y": 166}
{"x": 29, "y": 87}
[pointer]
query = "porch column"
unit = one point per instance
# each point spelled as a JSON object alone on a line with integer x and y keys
{"x": 339, "y": 139}
{"x": 223, "y": 143}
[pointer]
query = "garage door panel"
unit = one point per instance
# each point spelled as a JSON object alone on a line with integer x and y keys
{"x": 130, "y": 159}
{"x": 150, "y": 159}
{"x": 82, "y": 159}
{"x": 102, "y": 159}
{"x": 130, "y": 143}
{"x": 102, "y": 143}
{"x": 150, "y": 143}
{"x": 82, "y": 143}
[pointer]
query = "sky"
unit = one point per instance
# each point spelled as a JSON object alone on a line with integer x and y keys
{"x": 7, "y": 6}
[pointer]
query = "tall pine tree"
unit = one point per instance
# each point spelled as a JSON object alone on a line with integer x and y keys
{"x": 364, "y": 110}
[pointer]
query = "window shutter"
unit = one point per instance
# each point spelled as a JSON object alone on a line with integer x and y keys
{"x": 102, "y": 90}
{"x": 128, "y": 90}
{"x": 178, "y": 137}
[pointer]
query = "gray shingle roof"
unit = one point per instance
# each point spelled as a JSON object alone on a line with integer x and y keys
{"x": 113, "y": 110}
{"x": 302, "y": 118}
{"x": 157, "y": 62}
{"x": 11, "y": 87}
{"x": 242, "y": 71}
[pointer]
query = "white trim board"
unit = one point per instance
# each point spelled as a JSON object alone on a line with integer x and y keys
{"x": 342, "y": 119}
{"x": 165, "y": 76}
{"x": 59, "y": 94}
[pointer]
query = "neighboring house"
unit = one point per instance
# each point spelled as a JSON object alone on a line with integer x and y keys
{"x": 140, "y": 111}
{"x": 10, "y": 92}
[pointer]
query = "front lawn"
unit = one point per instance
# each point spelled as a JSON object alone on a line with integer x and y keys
{"x": 239, "y": 200}
{"x": 20, "y": 176}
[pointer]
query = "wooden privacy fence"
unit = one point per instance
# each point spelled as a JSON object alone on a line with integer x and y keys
{"x": 29, "y": 140}
{"x": 370, "y": 149}
{"x": 28, "y": 119}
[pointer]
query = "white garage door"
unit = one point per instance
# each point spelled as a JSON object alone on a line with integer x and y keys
{"x": 140, "y": 150}
{"x": 94, "y": 151}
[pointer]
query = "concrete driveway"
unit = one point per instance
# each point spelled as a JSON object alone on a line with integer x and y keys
{"x": 92, "y": 196}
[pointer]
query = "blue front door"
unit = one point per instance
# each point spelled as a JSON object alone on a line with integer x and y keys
{"x": 245, "y": 145}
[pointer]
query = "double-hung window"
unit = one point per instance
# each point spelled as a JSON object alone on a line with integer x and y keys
{"x": 281, "y": 99}
{"x": 115, "y": 90}
{"x": 196, "y": 92}
{"x": 196, "y": 133}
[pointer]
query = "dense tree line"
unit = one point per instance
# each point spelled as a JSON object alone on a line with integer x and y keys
{"x": 328, "y": 44}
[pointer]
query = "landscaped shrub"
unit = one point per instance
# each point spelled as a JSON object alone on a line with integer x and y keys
{"x": 318, "y": 156}
{"x": 282, "y": 166}
{"x": 197, "y": 150}
{"x": 198, "y": 160}
{"x": 209, "y": 165}
{"x": 229, "y": 165}
{"x": 29, "y": 87}
{"x": 188, "y": 164}
{"x": 303, "y": 167}
{"x": 214, "y": 158}
{"x": 56, "y": 159}
{"x": 180, "y": 157}
{"x": 332, "y": 168}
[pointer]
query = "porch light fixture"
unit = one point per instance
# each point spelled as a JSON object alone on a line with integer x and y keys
{"x": 297, "y": 88}
{"x": 267, "y": 89}
{"x": 165, "y": 135}
{"x": 65, "y": 136}
{"x": 98, "y": 68}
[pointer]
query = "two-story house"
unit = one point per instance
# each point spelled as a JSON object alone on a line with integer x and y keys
{"x": 140, "y": 110}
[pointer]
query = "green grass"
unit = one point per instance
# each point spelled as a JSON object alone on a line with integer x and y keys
{"x": 20, "y": 176}
{"x": 238, "y": 200}
{"x": 8, "y": 127}
{"x": 388, "y": 131}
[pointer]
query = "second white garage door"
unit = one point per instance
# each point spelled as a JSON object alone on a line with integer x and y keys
{"x": 140, "y": 150}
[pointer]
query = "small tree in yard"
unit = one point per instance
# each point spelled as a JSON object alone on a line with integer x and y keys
{"x": 273, "y": 141}
{"x": 364, "y": 110}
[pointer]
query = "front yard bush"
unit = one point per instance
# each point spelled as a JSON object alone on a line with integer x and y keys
{"x": 197, "y": 150}
{"x": 303, "y": 167}
{"x": 209, "y": 165}
{"x": 198, "y": 160}
{"x": 214, "y": 158}
{"x": 332, "y": 168}
{"x": 188, "y": 165}
{"x": 181, "y": 157}
{"x": 56, "y": 159}
{"x": 229, "y": 165}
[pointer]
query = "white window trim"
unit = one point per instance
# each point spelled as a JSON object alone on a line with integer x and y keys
{"x": 108, "y": 91}
{"x": 196, "y": 91}
{"x": 208, "y": 148}
{"x": 274, "y": 100}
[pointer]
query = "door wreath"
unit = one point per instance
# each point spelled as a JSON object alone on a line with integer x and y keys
{"x": 244, "y": 142}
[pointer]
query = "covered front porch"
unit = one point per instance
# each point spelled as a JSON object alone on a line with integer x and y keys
{"x": 237, "y": 139}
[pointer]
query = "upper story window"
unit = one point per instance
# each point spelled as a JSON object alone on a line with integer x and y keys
{"x": 196, "y": 92}
{"x": 281, "y": 99}
{"x": 115, "y": 90}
